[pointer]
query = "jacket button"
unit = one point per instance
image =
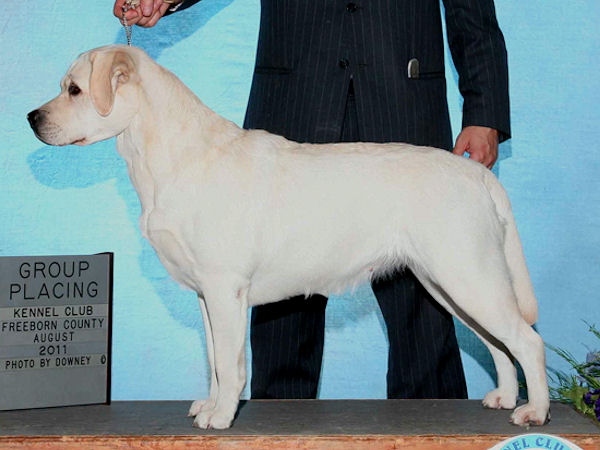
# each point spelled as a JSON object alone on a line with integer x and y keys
{"x": 344, "y": 63}
{"x": 351, "y": 7}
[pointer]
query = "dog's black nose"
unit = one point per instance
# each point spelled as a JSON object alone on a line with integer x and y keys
{"x": 33, "y": 118}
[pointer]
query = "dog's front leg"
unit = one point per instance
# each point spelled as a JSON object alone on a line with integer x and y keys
{"x": 227, "y": 314}
{"x": 209, "y": 403}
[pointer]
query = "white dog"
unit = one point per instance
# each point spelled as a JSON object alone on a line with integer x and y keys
{"x": 244, "y": 217}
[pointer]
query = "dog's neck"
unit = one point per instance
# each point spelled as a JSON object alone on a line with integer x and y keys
{"x": 165, "y": 103}
{"x": 163, "y": 136}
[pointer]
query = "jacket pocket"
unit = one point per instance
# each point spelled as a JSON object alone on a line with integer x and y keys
{"x": 430, "y": 75}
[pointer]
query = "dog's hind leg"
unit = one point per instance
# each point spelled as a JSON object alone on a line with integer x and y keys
{"x": 528, "y": 348}
{"x": 209, "y": 403}
{"x": 227, "y": 311}
{"x": 505, "y": 395}
{"x": 480, "y": 289}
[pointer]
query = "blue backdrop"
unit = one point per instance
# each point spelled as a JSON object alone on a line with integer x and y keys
{"x": 75, "y": 200}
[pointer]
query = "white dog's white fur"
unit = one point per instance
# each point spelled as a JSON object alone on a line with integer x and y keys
{"x": 247, "y": 217}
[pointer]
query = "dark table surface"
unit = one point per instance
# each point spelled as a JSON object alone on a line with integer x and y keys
{"x": 289, "y": 417}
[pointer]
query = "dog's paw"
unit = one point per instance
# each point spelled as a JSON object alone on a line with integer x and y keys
{"x": 499, "y": 399}
{"x": 528, "y": 414}
{"x": 201, "y": 405}
{"x": 217, "y": 418}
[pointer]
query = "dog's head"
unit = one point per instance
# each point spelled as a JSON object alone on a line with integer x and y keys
{"x": 97, "y": 101}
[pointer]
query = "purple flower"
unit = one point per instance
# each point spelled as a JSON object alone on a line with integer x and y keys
{"x": 589, "y": 400}
{"x": 587, "y": 397}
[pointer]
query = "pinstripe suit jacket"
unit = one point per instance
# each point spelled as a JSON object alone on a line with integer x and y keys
{"x": 308, "y": 51}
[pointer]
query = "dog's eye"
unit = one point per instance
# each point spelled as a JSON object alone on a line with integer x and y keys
{"x": 74, "y": 89}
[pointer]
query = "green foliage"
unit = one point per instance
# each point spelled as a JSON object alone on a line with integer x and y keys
{"x": 582, "y": 388}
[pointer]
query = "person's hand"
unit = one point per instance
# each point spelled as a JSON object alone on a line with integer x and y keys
{"x": 480, "y": 142}
{"x": 145, "y": 15}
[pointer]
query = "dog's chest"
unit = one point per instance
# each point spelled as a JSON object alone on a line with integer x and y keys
{"x": 171, "y": 247}
{"x": 157, "y": 224}
{"x": 163, "y": 229}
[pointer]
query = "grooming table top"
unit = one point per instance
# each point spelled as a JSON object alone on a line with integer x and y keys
{"x": 289, "y": 418}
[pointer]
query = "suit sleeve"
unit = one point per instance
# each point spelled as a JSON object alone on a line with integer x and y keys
{"x": 479, "y": 55}
{"x": 181, "y": 6}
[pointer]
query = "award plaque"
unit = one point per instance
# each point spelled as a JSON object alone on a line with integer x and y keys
{"x": 55, "y": 330}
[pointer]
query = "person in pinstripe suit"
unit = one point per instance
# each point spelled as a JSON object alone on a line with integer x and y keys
{"x": 372, "y": 71}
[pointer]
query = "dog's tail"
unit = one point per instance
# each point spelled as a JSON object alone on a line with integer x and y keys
{"x": 513, "y": 251}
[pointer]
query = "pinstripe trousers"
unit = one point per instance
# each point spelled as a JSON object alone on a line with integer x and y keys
{"x": 423, "y": 360}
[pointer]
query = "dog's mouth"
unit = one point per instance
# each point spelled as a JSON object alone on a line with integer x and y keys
{"x": 81, "y": 141}
{"x": 50, "y": 133}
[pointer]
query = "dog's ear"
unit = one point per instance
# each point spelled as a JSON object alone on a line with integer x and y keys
{"x": 109, "y": 71}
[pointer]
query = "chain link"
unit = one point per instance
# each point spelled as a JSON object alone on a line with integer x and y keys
{"x": 129, "y": 4}
{"x": 133, "y": 4}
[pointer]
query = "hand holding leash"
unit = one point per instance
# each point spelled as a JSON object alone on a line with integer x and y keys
{"x": 144, "y": 13}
